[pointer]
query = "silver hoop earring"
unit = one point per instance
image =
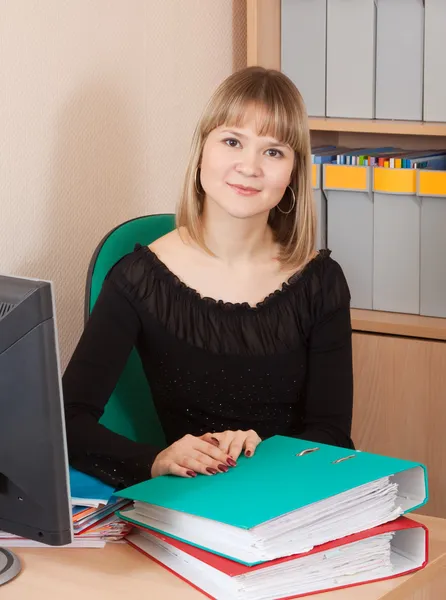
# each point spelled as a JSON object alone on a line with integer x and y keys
{"x": 293, "y": 203}
{"x": 195, "y": 181}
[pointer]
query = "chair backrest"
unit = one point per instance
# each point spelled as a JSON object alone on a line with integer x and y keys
{"x": 130, "y": 410}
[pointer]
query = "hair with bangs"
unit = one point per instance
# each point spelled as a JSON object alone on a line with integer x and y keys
{"x": 284, "y": 117}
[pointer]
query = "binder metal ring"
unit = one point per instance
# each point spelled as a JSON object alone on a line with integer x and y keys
{"x": 339, "y": 460}
{"x": 307, "y": 451}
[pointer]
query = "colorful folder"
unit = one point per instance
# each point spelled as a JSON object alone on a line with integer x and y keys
{"x": 290, "y": 496}
{"x": 87, "y": 490}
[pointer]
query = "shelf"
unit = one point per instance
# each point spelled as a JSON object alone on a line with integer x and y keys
{"x": 377, "y": 126}
{"x": 372, "y": 321}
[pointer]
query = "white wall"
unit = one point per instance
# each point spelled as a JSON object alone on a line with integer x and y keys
{"x": 98, "y": 101}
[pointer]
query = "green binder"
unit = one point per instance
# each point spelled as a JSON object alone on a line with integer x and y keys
{"x": 285, "y": 477}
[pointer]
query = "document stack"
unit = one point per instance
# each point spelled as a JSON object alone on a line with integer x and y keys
{"x": 95, "y": 521}
{"x": 294, "y": 519}
{"x": 94, "y": 506}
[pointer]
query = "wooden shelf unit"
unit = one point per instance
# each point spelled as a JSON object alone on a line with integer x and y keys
{"x": 263, "y": 48}
{"x": 399, "y": 360}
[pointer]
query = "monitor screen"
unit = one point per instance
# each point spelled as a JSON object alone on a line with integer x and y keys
{"x": 34, "y": 483}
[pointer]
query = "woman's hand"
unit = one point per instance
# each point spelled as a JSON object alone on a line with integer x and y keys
{"x": 191, "y": 455}
{"x": 234, "y": 442}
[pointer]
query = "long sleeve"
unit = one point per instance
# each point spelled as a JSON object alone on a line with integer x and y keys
{"x": 329, "y": 389}
{"x": 90, "y": 377}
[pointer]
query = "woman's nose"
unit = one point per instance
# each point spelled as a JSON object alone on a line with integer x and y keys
{"x": 249, "y": 164}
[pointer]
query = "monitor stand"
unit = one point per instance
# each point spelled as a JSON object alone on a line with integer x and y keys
{"x": 10, "y": 566}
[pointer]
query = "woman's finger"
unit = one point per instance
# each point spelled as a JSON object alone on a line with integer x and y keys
{"x": 236, "y": 445}
{"x": 252, "y": 440}
{"x": 202, "y": 464}
{"x": 225, "y": 440}
{"x": 175, "y": 469}
{"x": 210, "y": 450}
{"x": 213, "y": 465}
{"x": 210, "y": 438}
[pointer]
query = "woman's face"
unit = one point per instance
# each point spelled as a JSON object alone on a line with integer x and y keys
{"x": 243, "y": 173}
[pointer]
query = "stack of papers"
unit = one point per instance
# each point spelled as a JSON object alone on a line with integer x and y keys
{"x": 94, "y": 507}
{"x": 95, "y": 521}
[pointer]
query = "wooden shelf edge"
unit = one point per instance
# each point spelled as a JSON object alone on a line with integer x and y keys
{"x": 372, "y": 321}
{"x": 263, "y": 33}
{"x": 377, "y": 126}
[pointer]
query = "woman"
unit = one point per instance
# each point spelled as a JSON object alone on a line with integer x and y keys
{"x": 243, "y": 329}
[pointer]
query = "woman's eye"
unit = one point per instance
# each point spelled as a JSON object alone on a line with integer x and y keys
{"x": 231, "y": 142}
{"x": 274, "y": 153}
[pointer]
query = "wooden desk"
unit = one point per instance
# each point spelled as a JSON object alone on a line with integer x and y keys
{"x": 118, "y": 572}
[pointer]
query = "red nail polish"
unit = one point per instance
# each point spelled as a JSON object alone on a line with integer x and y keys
{"x": 231, "y": 462}
{"x": 211, "y": 471}
{"x": 248, "y": 453}
{"x": 191, "y": 473}
{"x": 223, "y": 468}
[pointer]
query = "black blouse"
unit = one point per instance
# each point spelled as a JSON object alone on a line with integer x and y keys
{"x": 281, "y": 367}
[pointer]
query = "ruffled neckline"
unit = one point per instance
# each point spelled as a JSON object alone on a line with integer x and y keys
{"x": 283, "y": 291}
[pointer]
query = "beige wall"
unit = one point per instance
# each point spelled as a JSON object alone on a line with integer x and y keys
{"x": 98, "y": 101}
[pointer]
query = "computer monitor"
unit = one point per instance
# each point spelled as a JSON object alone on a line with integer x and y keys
{"x": 34, "y": 482}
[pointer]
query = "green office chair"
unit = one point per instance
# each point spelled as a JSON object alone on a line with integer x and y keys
{"x": 130, "y": 410}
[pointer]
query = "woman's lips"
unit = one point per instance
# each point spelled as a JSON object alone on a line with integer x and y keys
{"x": 244, "y": 191}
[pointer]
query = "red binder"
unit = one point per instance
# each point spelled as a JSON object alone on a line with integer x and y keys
{"x": 409, "y": 549}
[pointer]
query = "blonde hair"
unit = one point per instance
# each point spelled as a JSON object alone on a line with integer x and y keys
{"x": 284, "y": 117}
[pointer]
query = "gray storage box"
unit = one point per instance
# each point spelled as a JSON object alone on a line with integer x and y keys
{"x": 350, "y": 227}
{"x": 351, "y": 27}
{"x": 304, "y": 50}
{"x": 399, "y": 59}
{"x": 434, "y": 61}
{"x": 397, "y": 221}
{"x": 431, "y": 187}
